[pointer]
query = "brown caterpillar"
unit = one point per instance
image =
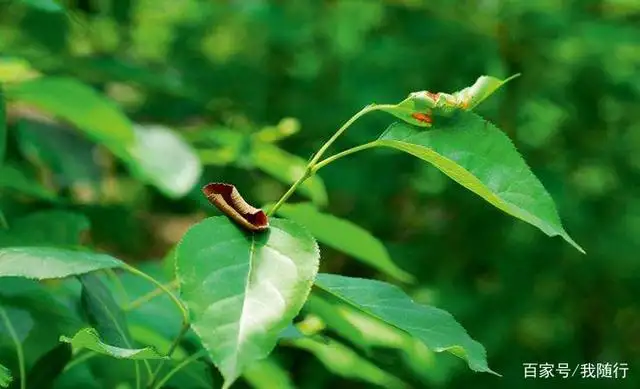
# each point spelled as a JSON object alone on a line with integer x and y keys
{"x": 228, "y": 200}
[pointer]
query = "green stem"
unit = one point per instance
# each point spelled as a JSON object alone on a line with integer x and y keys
{"x": 174, "y": 345}
{"x": 19, "y": 351}
{"x": 177, "y": 368}
{"x": 165, "y": 289}
{"x": 341, "y": 154}
{"x": 310, "y": 168}
{"x": 342, "y": 129}
{"x": 76, "y": 361}
{"x": 285, "y": 197}
{"x": 186, "y": 323}
{"x": 150, "y": 296}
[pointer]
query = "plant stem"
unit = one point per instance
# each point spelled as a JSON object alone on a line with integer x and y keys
{"x": 186, "y": 323}
{"x": 165, "y": 289}
{"x": 288, "y": 193}
{"x": 76, "y": 361}
{"x": 150, "y": 296}
{"x": 3, "y": 221}
{"x": 342, "y": 129}
{"x": 310, "y": 168}
{"x": 177, "y": 368}
{"x": 19, "y": 351}
{"x": 341, "y": 154}
{"x": 172, "y": 348}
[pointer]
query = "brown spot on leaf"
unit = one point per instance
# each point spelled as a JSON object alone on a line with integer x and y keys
{"x": 227, "y": 199}
{"x": 422, "y": 117}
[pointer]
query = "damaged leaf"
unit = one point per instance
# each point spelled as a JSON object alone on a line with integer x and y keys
{"x": 227, "y": 199}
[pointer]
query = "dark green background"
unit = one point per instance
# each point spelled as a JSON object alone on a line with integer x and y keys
{"x": 573, "y": 114}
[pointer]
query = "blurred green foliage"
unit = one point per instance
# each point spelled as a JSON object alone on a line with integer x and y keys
{"x": 240, "y": 67}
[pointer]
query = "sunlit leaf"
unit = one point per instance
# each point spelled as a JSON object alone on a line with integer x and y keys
{"x": 287, "y": 168}
{"x": 345, "y": 362}
{"x": 88, "y": 338}
{"x": 480, "y": 157}
{"x": 243, "y": 288}
{"x": 437, "y": 329}
{"x": 344, "y": 236}
{"x": 162, "y": 158}
{"x": 80, "y": 105}
{"x": 15, "y": 70}
{"x": 285, "y": 128}
{"x": 48, "y": 262}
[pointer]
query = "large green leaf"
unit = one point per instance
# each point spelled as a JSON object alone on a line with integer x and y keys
{"x": 45, "y": 228}
{"x": 375, "y": 336}
{"x": 80, "y": 105}
{"x": 243, "y": 289}
{"x": 480, "y": 157}
{"x": 344, "y": 236}
{"x": 434, "y": 327}
{"x": 344, "y": 361}
{"x": 160, "y": 157}
{"x": 287, "y": 168}
{"x": 5, "y": 377}
{"x": 48, "y": 262}
{"x": 89, "y": 338}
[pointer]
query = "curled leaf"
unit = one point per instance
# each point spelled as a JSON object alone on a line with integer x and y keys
{"x": 419, "y": 107}
{"x": 227, "y": 199}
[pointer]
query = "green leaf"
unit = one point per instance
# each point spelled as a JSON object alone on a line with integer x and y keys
{"x": 16, "y": 180}
{"x": 107, "y": 317}
{"x": 80, "y": 105}
{"x": 287, "y": 168}
{"x": 268, "y": 374}
{"x": 104, "y": 313}
{"x": 344, "y": 236}
{"x": 345, "y": 362}
{"x": 162, "y": 158}
{"x": 44, "y": 5}
{"x": 284, "y": 129}
{"x": 480, "y": 157}
{"x": 437, "y": 329}
{"x": 243, "y": 289}
{"x": 88, "y": 338}
{"x": 47, "y": 262}
{"x": 45, "y": 228}
{"x": 69, "y": 156}
{"x": 3, "y": 126}
{"x": 5, "y": 377}
{"x": 429, "y": 104}
{"x": 47, "y": 369}
{"x": 373, "y": 335}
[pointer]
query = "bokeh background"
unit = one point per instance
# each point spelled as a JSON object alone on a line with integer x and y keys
{"x": 243, "y": 65}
